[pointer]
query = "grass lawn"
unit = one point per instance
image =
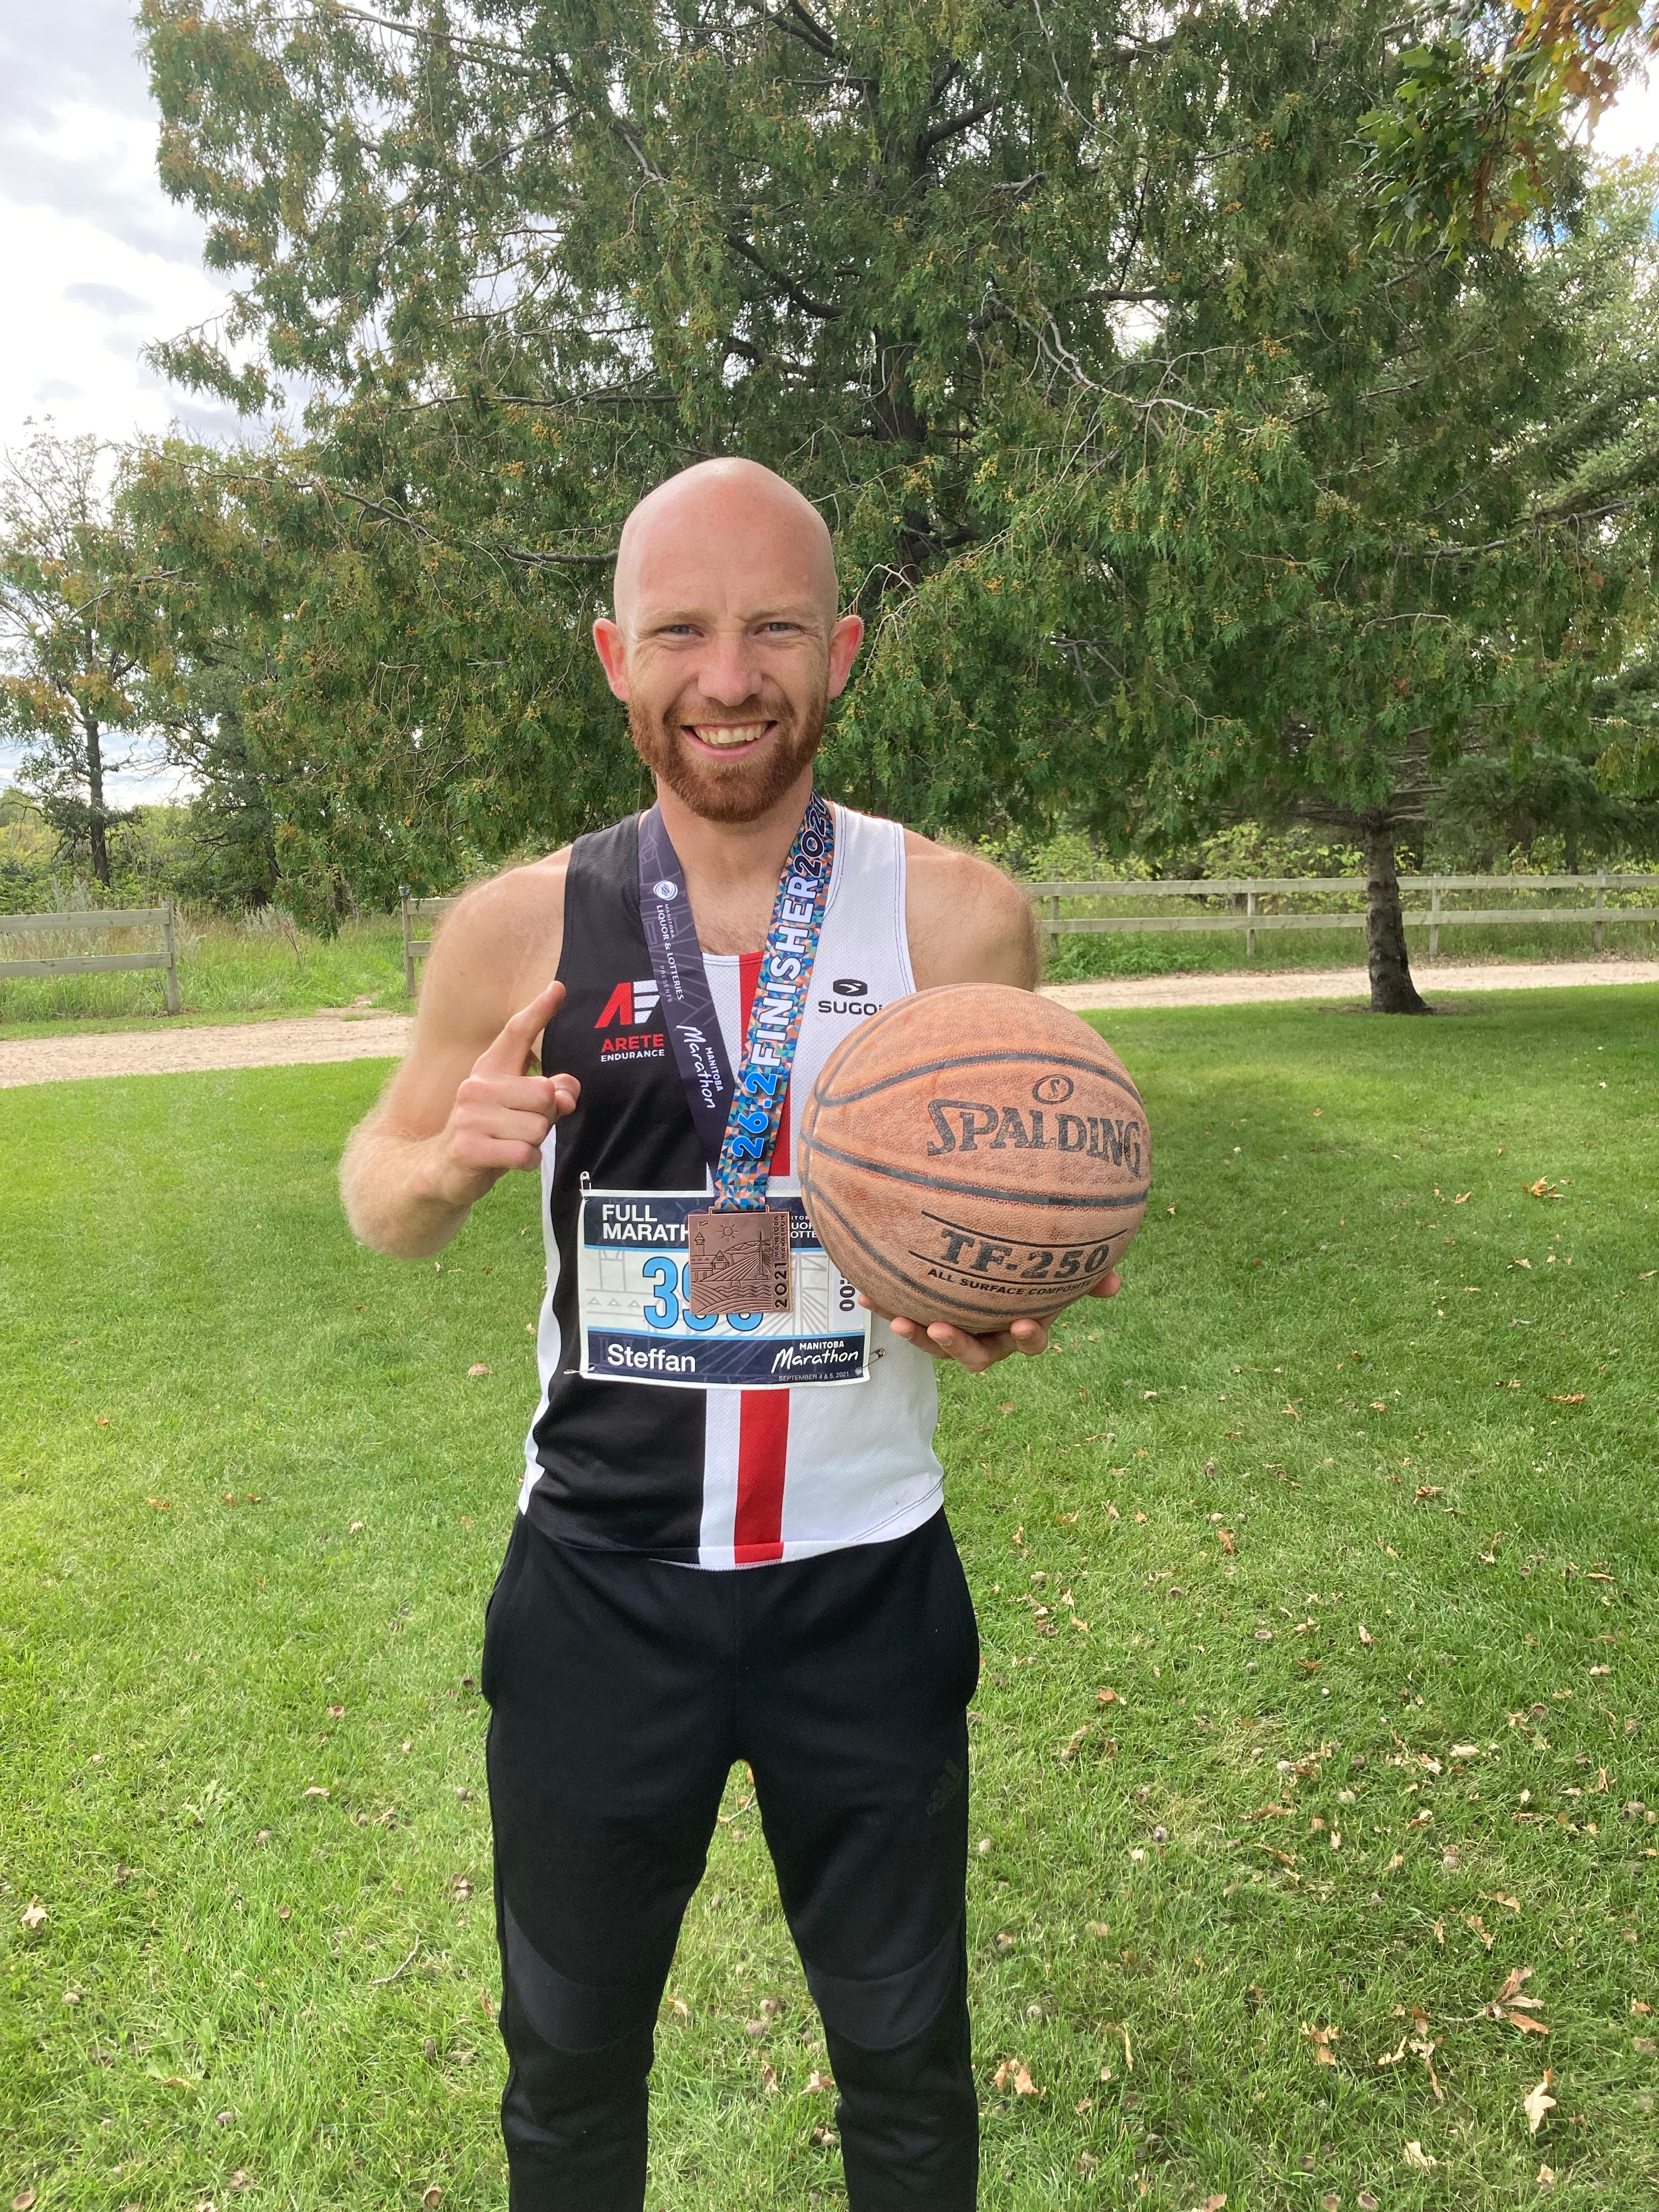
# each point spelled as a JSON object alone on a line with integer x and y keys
{"x": 228, "y": 970}
{"x": 1348, "y": 1503}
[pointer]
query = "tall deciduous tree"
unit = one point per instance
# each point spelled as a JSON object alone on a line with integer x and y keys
{"x": 1172, "y": 472}
{"x": 74, "y": 639}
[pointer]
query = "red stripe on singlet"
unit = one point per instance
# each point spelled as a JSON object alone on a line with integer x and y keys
{"x": 763, "y": 1415}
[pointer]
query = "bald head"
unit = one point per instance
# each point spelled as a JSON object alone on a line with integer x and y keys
{"x": 727, "y": 517}
{"x": 726, "y": 645}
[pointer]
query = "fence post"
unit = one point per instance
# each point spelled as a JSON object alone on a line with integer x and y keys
{"x": 1434, "y": 920}
{"x": 409, "y": 943}
{"x": 1250, "y": 933}
{"x": 169, "y": 945}
{"x": 1054, "y": 923}
{"x": 1597, "y": 927}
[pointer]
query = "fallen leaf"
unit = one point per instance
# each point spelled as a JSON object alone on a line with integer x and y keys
{"x": 1366, "y": 2201}
{"x": 1212, "y": 2204}
{"x": 1536, "y": 2102}
{"x": 34, "y": 1913}
{"x": 476, "y": 1368}
{"x": 433, "y": 2198}
{"x": 1321, "y": 2039}
{"x": 315, "y": 1791}
{"x": 1365, "y": 1636}
{"x": 1644, "y": 2046}
{"x": 1015, "y": 2074}
{"x": 461, "y": 1884}
{"x": 161, "y": 1505}
{"x": 1546, "y": 2177}
{"x": 1636, "y": 2005}
{"x": 239, "y": 2180}
{"x": 817, "y": 2081}
{"x": 1418, "y": 2158}
{"x": 22, "y": 2201}
{"x": 769, "y": 2078}
{"x": 1229, "y": 1542}
{"x": 1571, "y": 1398}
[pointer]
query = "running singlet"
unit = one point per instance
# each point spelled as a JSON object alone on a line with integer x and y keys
{"x": 721, "y": 1477}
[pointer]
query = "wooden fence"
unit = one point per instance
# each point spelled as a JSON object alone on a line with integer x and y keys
{"x": 1250, "y": 917}
{"x": 1244, "y": 895}
{"x": 414, "y": 911}
{"x": 97, "y": 964}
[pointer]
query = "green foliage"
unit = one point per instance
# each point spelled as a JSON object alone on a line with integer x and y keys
{"x": 1177, "y": 485}
{"x": 238, "y": 1947}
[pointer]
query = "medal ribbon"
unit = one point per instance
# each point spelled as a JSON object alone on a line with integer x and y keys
{"x": 737, "y": 1113}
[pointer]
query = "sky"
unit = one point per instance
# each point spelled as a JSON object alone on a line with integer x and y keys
{"x": 98, "y": 263}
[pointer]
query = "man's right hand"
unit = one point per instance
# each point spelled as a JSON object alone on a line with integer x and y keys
{"x": 501, "y": 1115}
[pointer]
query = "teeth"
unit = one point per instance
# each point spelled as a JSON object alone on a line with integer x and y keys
{"x": 728, "y": 733}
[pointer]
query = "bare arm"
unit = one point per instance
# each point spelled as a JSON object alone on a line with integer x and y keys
{"x": 462, "y": 1111}
{"x": 968, "y": 923}
{"x": 965, "y": 921}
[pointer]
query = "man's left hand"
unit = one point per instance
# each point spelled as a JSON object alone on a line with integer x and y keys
{"x": 976, "y": 1354}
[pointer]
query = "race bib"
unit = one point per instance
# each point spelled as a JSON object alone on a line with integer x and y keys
{"x": 633, "y": 1280}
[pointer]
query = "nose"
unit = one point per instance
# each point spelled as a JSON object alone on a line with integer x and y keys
{"x": 730, "y": 674}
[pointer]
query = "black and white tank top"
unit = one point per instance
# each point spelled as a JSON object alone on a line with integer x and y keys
{"x": 712, "y": 1477}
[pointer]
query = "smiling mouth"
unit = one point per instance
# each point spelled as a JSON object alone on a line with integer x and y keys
{"x": 727, "y": 737}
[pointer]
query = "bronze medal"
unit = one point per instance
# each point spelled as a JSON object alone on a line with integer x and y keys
{"x": 738, "y": 1261}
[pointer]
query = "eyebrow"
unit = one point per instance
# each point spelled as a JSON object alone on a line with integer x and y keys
{"x": 801, "y": 611}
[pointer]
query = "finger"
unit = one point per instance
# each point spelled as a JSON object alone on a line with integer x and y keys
{"x": 1030, "y": 1337}
{"x": 517, "y": 1039}
{"x": 975, "y": 1353}
{"x": 479, "y": 1128}
{"x": 501, "y": 1152}
{"x": 523, "y": 1094}
{"x": 1109, "y": 1286}
{"x": 567, "y": 1092}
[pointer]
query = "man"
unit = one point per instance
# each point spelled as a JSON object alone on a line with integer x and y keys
{"x": 626, "y": 1672}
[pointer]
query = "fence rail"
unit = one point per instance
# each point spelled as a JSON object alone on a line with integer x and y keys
{"x": 416, "y": 910}
{"x": 97, "y": 964}
{"x": 1436, "y": 917}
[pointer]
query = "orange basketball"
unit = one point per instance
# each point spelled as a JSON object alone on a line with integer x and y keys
{"x": 975, "y": 1153}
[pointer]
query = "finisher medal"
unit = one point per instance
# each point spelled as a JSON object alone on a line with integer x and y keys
{"x": 738, "y": 1252}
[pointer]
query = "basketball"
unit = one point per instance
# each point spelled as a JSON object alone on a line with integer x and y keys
{"x": 973, "y": 1154}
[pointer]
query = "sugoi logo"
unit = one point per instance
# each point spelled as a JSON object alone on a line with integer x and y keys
{"x": 1053, "y": 1089}
{"x": 852, "y": 996}
{"x": 666, "y": 889}
{"x": 628, "y": 1005}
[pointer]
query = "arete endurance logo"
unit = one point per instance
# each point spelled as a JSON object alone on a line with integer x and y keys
{"x": 629, "y": 1010}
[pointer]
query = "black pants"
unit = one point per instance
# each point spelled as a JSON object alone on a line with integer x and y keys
{"x": 623, "y": 1689}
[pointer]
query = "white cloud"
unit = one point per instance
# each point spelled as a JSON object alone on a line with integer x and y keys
{"x": 96, "y": 263}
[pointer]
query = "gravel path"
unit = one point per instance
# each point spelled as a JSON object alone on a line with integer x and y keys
{"x": 181, "y": 1049}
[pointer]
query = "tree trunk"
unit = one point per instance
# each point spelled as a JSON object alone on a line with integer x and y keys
{"x": 1393, "y": 991}
{"x": 96, "y": 830}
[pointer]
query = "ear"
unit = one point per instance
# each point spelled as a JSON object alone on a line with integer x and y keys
{"x": 844, "y": 641}
{"x": 608, "y": 643}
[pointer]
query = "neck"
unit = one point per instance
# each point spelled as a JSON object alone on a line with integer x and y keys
{"x": 733, "y": 857}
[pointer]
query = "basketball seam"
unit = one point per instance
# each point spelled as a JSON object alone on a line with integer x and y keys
{"x": 974, "y": 1060}
{"x": 933, "y": 1295}
{"x": 1094, "y": 1202}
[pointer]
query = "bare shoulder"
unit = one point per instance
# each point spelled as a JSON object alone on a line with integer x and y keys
{"x": 966, "y": 921}
{"x": 501, "y": 942}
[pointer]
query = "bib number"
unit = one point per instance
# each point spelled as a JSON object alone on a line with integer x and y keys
{"x": 634, "y": 1302}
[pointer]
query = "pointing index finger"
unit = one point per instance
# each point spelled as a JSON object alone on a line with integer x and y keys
{"x": 520, "y": 1033}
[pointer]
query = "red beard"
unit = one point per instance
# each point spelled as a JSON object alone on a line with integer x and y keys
{"x": 729, "y": 791}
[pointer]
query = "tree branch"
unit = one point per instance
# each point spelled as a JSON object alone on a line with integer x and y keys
{"x": 787, "y": 285}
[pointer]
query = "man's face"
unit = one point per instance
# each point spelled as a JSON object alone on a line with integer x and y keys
{"x": 727, "y": 653}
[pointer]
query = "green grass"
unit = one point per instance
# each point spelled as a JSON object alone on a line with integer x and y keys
{"x": 227, "y": 970}
{"x": 1321, "y": 1351}
{"x": 1081, "y": 957}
